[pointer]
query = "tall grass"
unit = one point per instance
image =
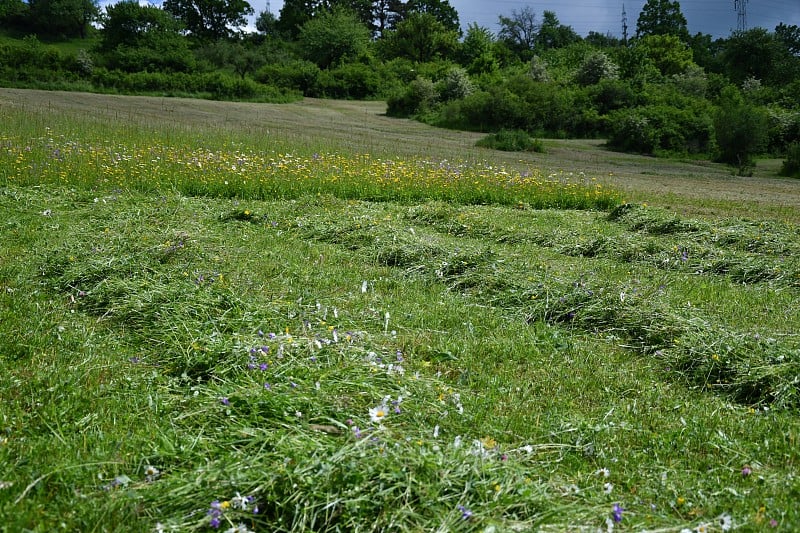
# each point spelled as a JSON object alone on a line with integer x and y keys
{"x": 164, "y": 162}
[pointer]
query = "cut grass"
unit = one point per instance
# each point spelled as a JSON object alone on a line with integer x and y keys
{"x": 520, "y": 355}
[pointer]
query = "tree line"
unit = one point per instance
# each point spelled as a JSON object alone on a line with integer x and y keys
{"x": 659, "y": 91}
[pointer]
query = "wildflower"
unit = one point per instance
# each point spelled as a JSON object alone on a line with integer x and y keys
{"x": 773, "y": 523}
{"x": 701, "y": 528}
{"x": 224, "y": 401}
{"x": 746, "y": 470}
{"x": 608, "y": 488}
{"x": 240, "y": 502}
{"x": 241, "y": 528}
{"x": 466, "y": 514}
{"x": 377, "y": 414}
{"x": 616, "y": 512}
{"x": 605, "y": 472}
{"x": 725, "y": 522}
{"x": 151, "y": 473}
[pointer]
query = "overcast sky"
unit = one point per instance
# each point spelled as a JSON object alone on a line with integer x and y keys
{"x": 716, "y": 17}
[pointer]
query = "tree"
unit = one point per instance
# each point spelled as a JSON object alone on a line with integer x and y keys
{"x": 63, "y": 18}
{"x": 14, "y": 14}
{"x": 136, "y": 37}
{"x": 789, "y": 36}
{"x": 742, "y": 131}
{"x": 477, "y": 50}
{"x": 602, "y": 40}
{"x": 666, "y": 52}
{"x": 520, "y": 30}
{"x": 752, "y": 54}
{"x": 662, "y": 17}
{"x": 595, "y": 67}
{"x": 333, "y": 36}
{"x": 553, "y": 34}
{"x": 267, "y": 23}
{"x": 210, "y": 19}
{"x": 440, "y": 9}
{"x": 420, "y": 37}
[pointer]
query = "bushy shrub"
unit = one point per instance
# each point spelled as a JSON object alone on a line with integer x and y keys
{"x": 511, "y": 141}
{"x": 455, "y": 84}
{"x": 349, "y": 81}
{"x": 742, "y": 132}
{"x": 661, "y": 130}
{"x": 791, "y": 167}
{"x": 419, "y": 97}
{"x": 595, "y": 67}
{"x": 297, "y": 74}
{"x": 609, "y": 95}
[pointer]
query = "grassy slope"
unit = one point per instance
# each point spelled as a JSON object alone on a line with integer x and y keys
{"x": 125, "y": 319}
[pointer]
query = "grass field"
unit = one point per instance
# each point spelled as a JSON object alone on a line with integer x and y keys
{"x": 244, "y": 317}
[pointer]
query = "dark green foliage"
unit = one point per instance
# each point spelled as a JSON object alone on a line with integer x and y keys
{"x": 137, "y": 37}
{"x": 210, "y": 19}
{"x": 298, "y": 75}
{"x": 30, "y": 60}
{"x": 661, "y": 129}
{"x": 742, "y": 132}
{"x": 521, "y": 103}
{"x": 420, "y": 37}
{"x": 213, "y": 85}
{"x": 662, "y": 17}
{"x": 62, "y": 18}
{"x": 511, "y": 141}
{"x": 752, "y": 54}
{"x": 611, "y": 94}
{"x": 418, "y": 97}
{"x": 445, "y": 13}
{"x": 333, "y": 37}
{"x": 791, "y": 167}
{"x": 14, "y": 14}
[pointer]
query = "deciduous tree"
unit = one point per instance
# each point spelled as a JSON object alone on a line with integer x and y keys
{"x": 520, "y": 30}
{"x": 420, "y": 37}
{"x": 662, "y": 17}
{"x": 210, "y": 19}
{"x": 333, "y": 36}
{"x": 63, "y": 18}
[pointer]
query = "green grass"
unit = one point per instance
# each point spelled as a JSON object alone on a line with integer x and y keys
{"x": 541, "y": 352}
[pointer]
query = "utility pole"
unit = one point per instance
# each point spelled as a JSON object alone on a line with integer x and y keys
{"x": 625, "y": 25}
{"x": 741, "y": 11}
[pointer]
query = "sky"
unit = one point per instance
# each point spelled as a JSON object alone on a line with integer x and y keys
{"x": 715, "y": 17}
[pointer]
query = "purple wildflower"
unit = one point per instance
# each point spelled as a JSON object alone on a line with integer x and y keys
{"x": 466, "y": 514}
{"x": 616, "y": 513}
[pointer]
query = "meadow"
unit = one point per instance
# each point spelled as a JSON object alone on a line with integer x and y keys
{"x": 311, "y": 317}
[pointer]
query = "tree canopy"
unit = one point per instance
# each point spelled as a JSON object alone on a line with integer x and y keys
{"x": 662, "y": 17}
{"x": 210, "y": 19}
